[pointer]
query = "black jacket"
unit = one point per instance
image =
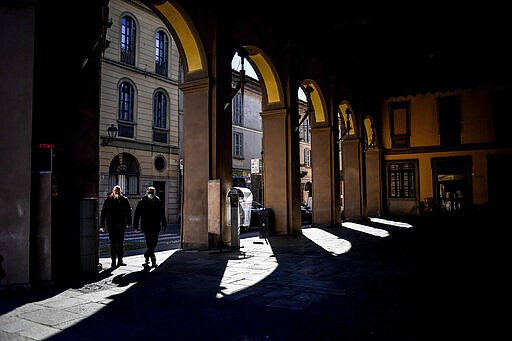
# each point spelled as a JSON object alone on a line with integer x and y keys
{"x": 151, "y": 214}
{"x": 116, "y": 212}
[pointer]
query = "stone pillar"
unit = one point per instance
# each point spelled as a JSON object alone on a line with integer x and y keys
{"x": 373, "y": 183}
{"x": 43, "y": 243}
{"x": 196, "y": 162}
{"x": 324, "y": 168}
{"x": 17, "y": 27}
{"x": 278, "y": 191}
{"x": 352, "y": 179}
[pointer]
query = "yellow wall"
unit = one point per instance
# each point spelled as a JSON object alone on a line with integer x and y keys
{"x": 477, "y": 136}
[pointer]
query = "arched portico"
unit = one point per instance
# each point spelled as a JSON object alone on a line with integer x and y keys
{"x": 352, "y": 159}
{"x": 280, "y": 170}
{"x": 198, "y": 131}
{"x": 204, "y": 136}
{"x": 324, "y": 159}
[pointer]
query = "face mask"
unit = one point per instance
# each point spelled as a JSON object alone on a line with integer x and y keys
{"x": 151, "y": 195}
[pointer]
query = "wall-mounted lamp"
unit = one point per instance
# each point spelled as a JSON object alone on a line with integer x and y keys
{"x": 346, "y": 131}
{"x": 112, "y": 134}
{"x": 309, "y": 106}
{"x": 372, "y": 141}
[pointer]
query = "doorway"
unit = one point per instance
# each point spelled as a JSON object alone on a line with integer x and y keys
{"x": 499, "y": 188}
{"x": 160, "y": 191}
{"x": 452, "y": 184}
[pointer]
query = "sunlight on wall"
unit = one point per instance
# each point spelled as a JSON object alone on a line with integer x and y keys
{"x": 327, "y": 241}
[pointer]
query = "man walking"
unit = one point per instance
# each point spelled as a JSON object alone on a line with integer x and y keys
{"x": 116, "y": 215}
{"x": 150, "y": 212}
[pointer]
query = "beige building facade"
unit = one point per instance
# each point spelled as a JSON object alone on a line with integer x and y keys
{"x": 140, "y": 98}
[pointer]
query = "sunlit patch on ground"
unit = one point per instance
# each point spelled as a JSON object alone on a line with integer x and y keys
{"x": 328, "y": 241}
{"x": 366, "y": 229}
{"x": 390, "y": 222}
{"x": 251, "y": 268}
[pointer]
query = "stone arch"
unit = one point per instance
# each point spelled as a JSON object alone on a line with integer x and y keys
{"x": 324, "y": 164}
{"x": 320, "y": 113}
{"x": 272, "y": 90}
{"x": 185, "y": 35}
{"x": 370, "y": 133}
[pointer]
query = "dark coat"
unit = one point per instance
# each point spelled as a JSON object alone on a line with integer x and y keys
{"x": 151, "y": 214}
{"x": 116, "y": 212}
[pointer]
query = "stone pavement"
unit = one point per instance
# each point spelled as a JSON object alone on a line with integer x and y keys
{"x": 371, "y": 281}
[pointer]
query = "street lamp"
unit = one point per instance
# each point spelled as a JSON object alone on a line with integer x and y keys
{"x": 112, "y": 134}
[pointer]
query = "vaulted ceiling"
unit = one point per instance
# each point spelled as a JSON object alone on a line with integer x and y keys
{"x": 390, "y": 48}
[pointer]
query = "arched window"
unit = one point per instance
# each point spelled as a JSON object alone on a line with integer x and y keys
{"x": 160, "y": 117}
{"x": 126, "y": 108}
{"x": 161, "y": 53}
{"x": 128, "y": 37}
{"x": 124, "y": 171}
{"x": 160, "y": 110}
{"x": 126, "y": 99}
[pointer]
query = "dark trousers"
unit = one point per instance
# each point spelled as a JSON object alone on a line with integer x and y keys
{"x": 116, "y": 235}
{"x": 151, "y": 237}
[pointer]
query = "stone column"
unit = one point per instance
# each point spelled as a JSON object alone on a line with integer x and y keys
{"x": 324, "y": 168}
{"x": 278, "y": 192}
{"x": 354, "y": 206}
{"x": 196, "y": 162}
{"x": 373, "y": 182}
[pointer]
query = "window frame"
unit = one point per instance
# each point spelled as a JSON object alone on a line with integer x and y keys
{"x": 126, "y": 102}
{"x": 449, "y": 120}
{"x": 238, "y": 145}
{"x": 128, "y": 40}
{"x": 307, "y": 157}
{"x": 124, "y": 170}
{"x": 160, "y": 109}
{"x": 162, "y": 53}
{"x": 400, "y": 140}
{"x": 400, "y": 186}
{"x": 238, "y": 112}
{"x": 160, "y": 119}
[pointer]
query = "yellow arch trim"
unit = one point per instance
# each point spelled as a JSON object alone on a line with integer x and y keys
{"x": 368, "y": 128}
{"x": 316, "y": 100}
{"x": 268, "y": 76}
{"x": 347, "y": 117}
{"x": 187, "y": 38}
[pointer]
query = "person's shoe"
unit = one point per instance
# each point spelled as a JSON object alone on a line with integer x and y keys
{"x": 153, "y": 262}
{"x": 147, "y": 260}
{"x": 113, "y": 265}
{"x": 121, "y": 263}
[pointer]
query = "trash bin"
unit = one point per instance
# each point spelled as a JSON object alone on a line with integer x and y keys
{"x": 266, "y": 220}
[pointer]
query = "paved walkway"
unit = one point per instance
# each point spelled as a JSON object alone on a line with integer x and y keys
{"x": 371, "y": 281}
